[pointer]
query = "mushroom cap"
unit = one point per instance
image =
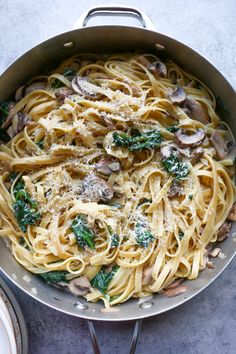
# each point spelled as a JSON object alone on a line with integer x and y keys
{"x": 19, "y": 94}
{"x": 196, "y": 111}
{"x": 79, "y": 286}
{"x": 62, "y": 93}
{"x": 232, "y": 213}
{"x": 158, "y": 69}
{"x": 83, "y": 87}
{"x": 196, "y": 155}
{"x": 147, "y": 275}
{"x": 19, "y": 121}
{"x": 177, "y": 95}
{"x": 185, "y": 140}
{"x": 219, "y": 144}
{"x": 96, "y": 189}
{"x": 108, "y": 165}
{"x": 223, "y": 231}
{"x": 40, "y": 85}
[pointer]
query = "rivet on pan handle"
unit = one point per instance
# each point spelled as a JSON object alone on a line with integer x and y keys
{"x": 137, "y": 329}
{"x": 116, "y": 10}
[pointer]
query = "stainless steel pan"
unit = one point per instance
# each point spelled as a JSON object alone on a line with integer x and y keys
{"x": 105, "y": 39}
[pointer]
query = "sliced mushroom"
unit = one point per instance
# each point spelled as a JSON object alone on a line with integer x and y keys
{"x": 108, "y": 165}
{"x": 196, "y": 155}
{"x": 174, "y": 284}
{"x": 95, "y": 189}
{"x": 19, "y": 93}
{"x": 107, "y": 120}
{"x": 158, "y": 69}
{"x": 210, "y": 265}
{"x": 215, "y": 252}
{"x": 143, "y": 61}
{"x": 62, "y": 93}
{"x": 232, "y": 213}
{"x": 223, "y": 231}
{"x": 19, "y": 122}
{"x": 40, "y": 85}
{"x": 176, "y": 291}
{"x": 79, "y": 286}
{"x": 176, "y": 189}
{"x": 9, "y": 107}
{"x": 185, "y": 140}
{"x": 147, "y": 275}
{"x": 196, "y": 111}
{"x": 204, "y": 263}
{"x": 177, "y": 95}
{"x": 219, "y": 144}
{"x": 83, "y": 87}
{"x": 61, "y": 285}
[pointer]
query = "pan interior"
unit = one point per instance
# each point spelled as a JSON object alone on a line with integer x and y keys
{"x": 105, "y": 39}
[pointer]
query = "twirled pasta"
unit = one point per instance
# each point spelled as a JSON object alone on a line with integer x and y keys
{"x": 75, "y": 132}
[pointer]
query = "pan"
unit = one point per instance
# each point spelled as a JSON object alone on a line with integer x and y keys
{"x": 104, "y": 39}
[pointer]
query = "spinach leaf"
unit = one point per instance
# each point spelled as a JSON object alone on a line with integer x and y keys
{"x": 4, "y": 112}
{"x": 4, "y": 136}
{"x": 115, "y": 240}
{"x": 84, "y": 235}
{"x": 172, "y": 129}
{"x": 12, "y": 176}
{"x": 144, "y": 201}
{"x": 69, "y": 74}
{"x": 54, "y": 276}
{"x": 138, "y": 141}
{"x": 174, "y": 166}
{"x": 40, "y": 144}
{"x": 25, "y": 208}
{"x": 143, "y": 235}
{"x": 103, "y": 278}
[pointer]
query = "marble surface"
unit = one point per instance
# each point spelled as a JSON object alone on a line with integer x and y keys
{"x": 205, "y": 324}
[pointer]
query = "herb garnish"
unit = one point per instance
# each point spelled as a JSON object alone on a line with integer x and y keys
{"x": 69, "y": 74}
{"x": 174, "y": 166}
{"x": 143, "y": 235}
{"x": 4, "y": 112}
{"x": 115, "y": 240}
{"x": 172, "y": 129}
{"x": 84, "y": 235}
{"x": 138, "y": 141}
{"x": 103, "y": 278}
{"x": 54, "y": 276}
{"x": 190, "y": 196}
{"x": 181, "y": 235}
{"x": 25, "y": 208}
{"x": 40, "y": 144}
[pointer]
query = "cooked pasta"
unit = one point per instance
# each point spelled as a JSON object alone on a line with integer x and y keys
{"x": 117, "y": 176}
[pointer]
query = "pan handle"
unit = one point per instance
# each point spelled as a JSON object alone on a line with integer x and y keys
{"x": 137, "y": 329}
{"x": 116, "y": 10}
